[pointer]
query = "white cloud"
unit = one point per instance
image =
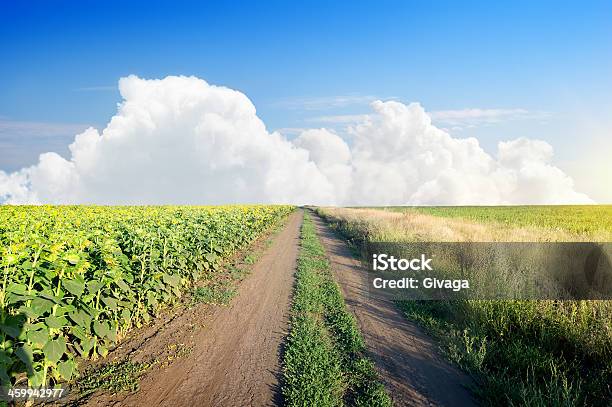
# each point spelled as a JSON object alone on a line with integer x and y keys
{"x": 291, "y": 130}
{"x": 455, "y": 120}
{"x": 332, "y": 157}
{"x": 325, "y": 102}
{"x": 339, "y": 119}
{"x": 463, "y": 114}
{"x": 401, "y": 158}
{"x": 181, "y": 140}
{"x": 17, "y": 129}
{"x": 176, "y": 140}
{"x": 469, "y": 118}
{"x": 23, "y": 141}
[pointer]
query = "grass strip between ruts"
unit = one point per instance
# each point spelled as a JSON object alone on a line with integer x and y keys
{"x": 324, "y": 362}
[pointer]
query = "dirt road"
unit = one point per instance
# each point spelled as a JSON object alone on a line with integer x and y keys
{"x": 407, "y": 360}
{"x": 236, "y": 359}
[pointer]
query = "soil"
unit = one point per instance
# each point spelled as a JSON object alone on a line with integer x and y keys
{"x": 231, "y": 355}
{"x": 408, "y": 361}
{"x": 214, "y": 355}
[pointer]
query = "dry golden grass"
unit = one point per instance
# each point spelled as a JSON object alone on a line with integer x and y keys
{"x": 383, "y": 225}
{"x": 540, "y": 353}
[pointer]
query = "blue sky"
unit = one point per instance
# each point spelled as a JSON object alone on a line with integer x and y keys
{"x": 534, "y": 69}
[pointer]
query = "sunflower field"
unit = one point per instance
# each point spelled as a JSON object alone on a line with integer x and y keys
{"x": 76, "y": 279}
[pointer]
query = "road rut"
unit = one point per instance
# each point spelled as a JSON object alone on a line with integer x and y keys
{"x": 236, "y": 360}
{"x": 407, "y": 360}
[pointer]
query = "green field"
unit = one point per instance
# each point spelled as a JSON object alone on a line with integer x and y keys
{"x": 76, "y": 279}
{"x": 536, "y": 353}
{"x": 579, "y": 219}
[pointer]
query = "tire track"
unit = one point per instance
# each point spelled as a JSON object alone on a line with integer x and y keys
{"x": 236, "y": 360}
{"x": 407, "y": 360}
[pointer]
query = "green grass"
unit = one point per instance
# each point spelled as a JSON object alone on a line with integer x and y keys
{"x": 219, "y": 294}
{"x": 113, "y": 377}
{"x": 580, "y": 219}
{"x": 534, "y": 353}
{"x": 324, "y": 363}
{"x": 524, "y": 352}
{"x": 250, "y": 259}
{"x": 237, "y": 273}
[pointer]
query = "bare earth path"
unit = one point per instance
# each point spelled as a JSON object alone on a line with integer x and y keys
{"x": 236, "y": 360}
{"x": 407, "y": 360}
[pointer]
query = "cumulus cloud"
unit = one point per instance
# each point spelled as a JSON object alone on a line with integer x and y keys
{"x": 332, "y": 157}
{"x": 398, "y": 146}
{"x": 176, "y": 140}
{"x": 181, "y": 140}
